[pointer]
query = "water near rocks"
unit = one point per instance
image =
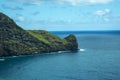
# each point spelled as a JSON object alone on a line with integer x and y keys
{"x": 97, "y": 59}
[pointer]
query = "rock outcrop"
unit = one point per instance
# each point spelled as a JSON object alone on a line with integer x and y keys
{"x": 16, "y": 41}
{"x": 71, "y": 42}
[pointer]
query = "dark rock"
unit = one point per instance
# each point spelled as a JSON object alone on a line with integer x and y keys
{"x": 71, "y": 42}
{"x": 16, "y": 41}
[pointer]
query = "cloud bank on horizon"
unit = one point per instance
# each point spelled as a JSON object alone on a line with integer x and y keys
{"x": 64, "y": 14}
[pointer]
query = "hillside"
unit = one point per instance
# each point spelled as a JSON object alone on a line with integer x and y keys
{"x": 16, "y": 41}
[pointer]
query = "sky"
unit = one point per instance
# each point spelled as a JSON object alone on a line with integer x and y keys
{"x": 63, "y": 15}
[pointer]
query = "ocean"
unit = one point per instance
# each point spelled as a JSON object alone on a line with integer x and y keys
{"x": 97, "y": 59}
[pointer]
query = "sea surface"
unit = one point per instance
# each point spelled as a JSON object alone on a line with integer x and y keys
{"x": 97, "y": 59}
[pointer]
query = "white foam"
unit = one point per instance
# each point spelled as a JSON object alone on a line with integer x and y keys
{"x": 63, "y": 51}
{"x": 14, "y": 56}
{"x": 2, "y": 59}
{"x": 59, "y": 51}
{"x": 82, "y": 50}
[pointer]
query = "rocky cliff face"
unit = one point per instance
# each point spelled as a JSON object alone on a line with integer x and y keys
{"x": 16, "y": 41}
{"x": 71, "y": 42}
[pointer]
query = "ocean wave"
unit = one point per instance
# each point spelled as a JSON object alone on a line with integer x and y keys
{"x": 82, "y": 50}
{"x": 2, "y": 59}
{"x": 14, "y": 56}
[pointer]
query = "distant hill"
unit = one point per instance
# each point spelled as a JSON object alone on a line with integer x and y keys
{"x": 16, "y": 41}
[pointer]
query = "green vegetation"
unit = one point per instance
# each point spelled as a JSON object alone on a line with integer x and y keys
{"x": 16, "y": 41}
{"x": 46, "y": 37}
{"x": 38, "y": 36}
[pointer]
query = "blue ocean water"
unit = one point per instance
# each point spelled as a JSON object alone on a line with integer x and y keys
{"x": 98, "y": 59}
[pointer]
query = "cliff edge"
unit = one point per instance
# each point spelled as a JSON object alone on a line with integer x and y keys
{"x": 16, "y": 41}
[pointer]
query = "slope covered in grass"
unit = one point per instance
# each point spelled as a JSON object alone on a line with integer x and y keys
{"x": 16, "y": 41}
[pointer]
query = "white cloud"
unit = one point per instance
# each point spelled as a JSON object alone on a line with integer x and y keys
{"x": 72, "y": 2}
{"x": 35, "y": 2}
{"x": 107, "y": 10}
{"x": 85, "y": 2}
{"x": 102, "y": 12}
{"x": 12, "y": 7}
{"x": 106, "y": 19}
{"x": 21, "y": 18}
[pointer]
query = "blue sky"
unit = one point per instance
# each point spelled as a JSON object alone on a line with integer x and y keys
{"x": 64, "y": 15}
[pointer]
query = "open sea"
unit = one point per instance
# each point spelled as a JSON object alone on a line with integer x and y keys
{"x": 97, "y": 59}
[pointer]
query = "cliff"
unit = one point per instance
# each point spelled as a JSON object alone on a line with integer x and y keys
{"x": 16, "y": 41}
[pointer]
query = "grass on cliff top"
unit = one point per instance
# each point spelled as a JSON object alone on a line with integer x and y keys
{"x": 38, "y": 36}
{"x": 46, "y": 37}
